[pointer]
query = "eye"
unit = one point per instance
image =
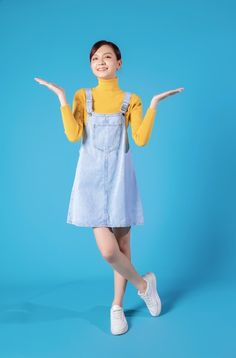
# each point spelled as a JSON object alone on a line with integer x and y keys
{"x": 95, "y": 58}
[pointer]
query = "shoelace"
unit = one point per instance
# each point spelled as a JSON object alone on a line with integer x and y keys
{"x": 148, "y": 299}
{"x": 117, "y": 313}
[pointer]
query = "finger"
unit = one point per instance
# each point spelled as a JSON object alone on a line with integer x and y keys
{"x": 176, "y": 91}
{"x": 45, "y": 83}
{"x": 41, "y": 81}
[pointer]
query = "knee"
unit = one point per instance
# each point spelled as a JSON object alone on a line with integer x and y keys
{"x": 109, "y": 254}
{"x": 126, "y": 251}
{"x": 124, "y": 245}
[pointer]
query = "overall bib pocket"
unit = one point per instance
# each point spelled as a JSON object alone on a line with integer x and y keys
{"x": 107, "y": 136}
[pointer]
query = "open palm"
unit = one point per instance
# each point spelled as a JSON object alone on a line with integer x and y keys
{"x": 52, "y": 86}
{"x": 163, "y": 95}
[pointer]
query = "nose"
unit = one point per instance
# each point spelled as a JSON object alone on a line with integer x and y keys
{"x": 101, "y": 62}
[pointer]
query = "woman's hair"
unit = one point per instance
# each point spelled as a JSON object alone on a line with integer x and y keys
{"x": 98, "y": 44}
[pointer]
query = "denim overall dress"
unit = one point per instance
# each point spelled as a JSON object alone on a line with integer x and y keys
{"x": 105, "y": 191}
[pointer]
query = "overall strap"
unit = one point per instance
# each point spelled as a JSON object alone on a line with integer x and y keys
{"x": 89, "y": 100}
{"x": 125, "y": 102}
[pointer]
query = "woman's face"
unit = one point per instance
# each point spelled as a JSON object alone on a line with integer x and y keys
{"x": 104, "y": 63}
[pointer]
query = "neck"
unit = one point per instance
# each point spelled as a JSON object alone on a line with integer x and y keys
{"x": 109, "y": 84}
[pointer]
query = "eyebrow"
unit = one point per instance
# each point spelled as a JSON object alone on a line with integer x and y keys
{"x": 105, "y": 53}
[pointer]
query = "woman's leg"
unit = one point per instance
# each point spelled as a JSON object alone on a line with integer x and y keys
{"x": 109, "y": 248}
{"x": 122, "y": 235}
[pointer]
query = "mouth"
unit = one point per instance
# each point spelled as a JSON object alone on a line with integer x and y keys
{"x": 102, "y": 69}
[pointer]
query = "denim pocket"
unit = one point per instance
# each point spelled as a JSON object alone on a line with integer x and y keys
{"x": 107, "y": 136}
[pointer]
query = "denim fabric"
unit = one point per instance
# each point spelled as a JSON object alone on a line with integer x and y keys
{"x": 105, "y": 191}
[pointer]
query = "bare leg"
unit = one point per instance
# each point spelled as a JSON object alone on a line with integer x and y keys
{"x": 122, "y": 235}
{"x": 110, "y": 250}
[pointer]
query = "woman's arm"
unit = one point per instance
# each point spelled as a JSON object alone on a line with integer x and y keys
{"x": 142, "y": 127}
{"x": 73, "y": 121}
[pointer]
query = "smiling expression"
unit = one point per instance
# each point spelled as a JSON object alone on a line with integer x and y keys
{"x": 104, "y": 63}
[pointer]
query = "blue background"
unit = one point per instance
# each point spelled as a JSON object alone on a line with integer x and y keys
{"x": 56, "y": 289}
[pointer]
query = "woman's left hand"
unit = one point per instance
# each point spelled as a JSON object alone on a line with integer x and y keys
{"x": 163, "y": 95}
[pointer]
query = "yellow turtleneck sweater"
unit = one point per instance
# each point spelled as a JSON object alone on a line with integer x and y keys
{"x": 107, "y": 98}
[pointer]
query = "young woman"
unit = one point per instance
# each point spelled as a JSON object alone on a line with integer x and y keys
{"x": 105, "y": 194}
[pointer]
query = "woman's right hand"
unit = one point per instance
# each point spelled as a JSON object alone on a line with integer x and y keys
{"x": 53, "y": 87}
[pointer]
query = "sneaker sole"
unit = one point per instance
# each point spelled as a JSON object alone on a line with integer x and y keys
{"x": 154, "y": 281}
{"x": 125, "y": 329}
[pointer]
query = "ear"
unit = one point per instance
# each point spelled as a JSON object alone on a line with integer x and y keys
{"x": 119, "y": 64}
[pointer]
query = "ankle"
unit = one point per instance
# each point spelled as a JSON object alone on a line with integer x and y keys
{"x": 117, "y": 303}
{"x": 143, "y": 287}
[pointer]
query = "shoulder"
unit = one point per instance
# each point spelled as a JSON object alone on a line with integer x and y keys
{"x": 80, "y": 95}
{"x": 135, "y": 101}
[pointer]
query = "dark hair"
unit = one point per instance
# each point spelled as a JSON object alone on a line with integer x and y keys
{"x": 98, "y": 44}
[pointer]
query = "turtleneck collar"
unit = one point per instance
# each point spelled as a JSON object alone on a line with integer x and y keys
{"x": 109, "y": 84}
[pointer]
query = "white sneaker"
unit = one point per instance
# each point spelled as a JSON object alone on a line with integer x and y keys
{"x": 150, "y": 296}
{"x": 119, "y": 323}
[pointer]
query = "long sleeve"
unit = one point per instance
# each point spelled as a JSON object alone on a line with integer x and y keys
{"x": 141, "y": 128}
{"x": 104, "y": 101}
{"x": 73, "y": 121}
